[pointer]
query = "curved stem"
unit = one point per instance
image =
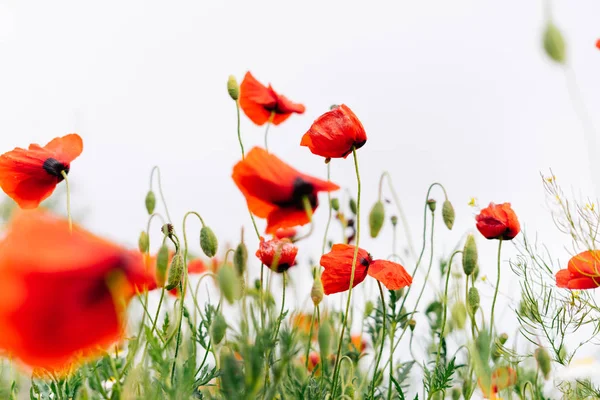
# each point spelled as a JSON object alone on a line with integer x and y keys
{"x": 239, "y": 132}
{"x": 497, "y": 287}
{"x": 64, "y": 174}
{"x": 160, "y": 191}
{"x": 267, "y": 130}
{"x": 378, "y": 359}
{"x": 400, "y": 209}
{"x": 354, "y": 260}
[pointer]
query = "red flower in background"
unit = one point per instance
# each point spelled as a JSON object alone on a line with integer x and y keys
{"x": 583, "y": 272}
{"x": 62, "y": 295}
{"x": 498, "y": 221}
{"x": 338, "y": 270}
{"x": 30, "y": 176}
{"x": 598, "y": 44}
{"x": 261, "y": 103}
{"x": 283, "y": 233}
{"x": 276, "y": 191}
{"x": 335, "y": 133}
{"x": 277, "y": 254}
{"x": 501, "y": 378}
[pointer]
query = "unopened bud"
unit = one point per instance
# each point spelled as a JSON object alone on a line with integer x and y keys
{"x": 335, "y": 204}
{"x": 240, "y": 258}
{"x": 175, "y": 272}
{"x": 316, "y": 293}
{"x": 162, "y": 262}
{"x": 228, "y": 283}
{"x": 376, "y": 218}
{"x": 208, "y": 241}
{"x": 412, "y": 324}
{"x": 369, "y": 307}
{"x": 554, "y": 43}
{"x": 473, "y": 300}
{"x": 150, "y": 202}
{"x": 233, "y": 88}
{"x": 143, "y": 242}
{"x": 257, "y": 284}
{"x": 352, "y": 205}
{"x": 469, "y": 257}
{"x": 456, "y": 394}
{"x": 218, "y": 328}
{"x": 448, "y": 214}
{"x": 394, "y": 220}
{"x": 503, "y": 338}
{"x": 459, "y": 315}
{"x": 167, "y": 229}
{"x": 431, "y": 203}
{"x": 544, "y": 362}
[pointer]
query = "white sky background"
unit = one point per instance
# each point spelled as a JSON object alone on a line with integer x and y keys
{"x": 458, "y": 92}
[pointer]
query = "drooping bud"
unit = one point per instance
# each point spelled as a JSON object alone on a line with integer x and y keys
{"x": 143, "y": 242}
{"x": 218, "y": 328}
{"x": 162, "y": 262}
{"x": 335, "y": 204}
{"x": 175, "y": 272}
{"x": 554, "y": 44}
{"x": 228, "y": 283}
{"x": 448, "y": 214}
{"x": 376, "y": 218}
{"x": 167, "y": 229}
{"x": 459, "y": 315}
{"x": 324, "y": 338}
{"x": 233, "y": 88}
{"x": 544, "y": 362}
{"x": 431, "y": 203}
{"x": 316, "y": 293}
{"x": 473, "y": 300}
{"x": 240, "y": 258}
{"x": 412, "y": 324}
{"x": 469, "y": 256}
{"x": 208, "y": 241}
{"x": 150, "y": 202}
{"x": 352, "y": 205}
{"x": 394, "y": 220}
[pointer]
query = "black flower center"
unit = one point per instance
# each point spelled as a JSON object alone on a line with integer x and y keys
{"x": 302, "y": 189}
{"x": 55, "y": 168}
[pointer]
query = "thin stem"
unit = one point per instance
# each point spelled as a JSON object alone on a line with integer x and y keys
{"x": 354, "y": 260}
{"x": 329, "y": 216}
{"x": 239, "y": 132}
{"x": 400, "y": 209}
{"x": 497, "y": 287}
{"x": 270, "y": 352}
{"x": 64, "y": 174}
{"x": 267, "y": 130}
{"x": 378, "y": 359}
{"x": 160, "y": 191}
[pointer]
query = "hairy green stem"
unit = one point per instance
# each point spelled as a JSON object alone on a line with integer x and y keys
{"x": 497, "y": 287}
{"x": 380, "y": 352}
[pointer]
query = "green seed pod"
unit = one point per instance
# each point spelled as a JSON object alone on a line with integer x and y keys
{"x": 376, "y": 218}
{"x": 228, "y": 283}
{"x": 257, "y": 284}
{"x": 459, "y": 315}
{"x": 233, "y": 88}
{"x": 469, "y": 257}
{"x": 175, "y": 272}
{"x": 352, "y": 205}
{"x": 369, "y": 307}
{"x": 335, "y": 204}
{"x": 544, "y": 361}
{"x": 218, "y": 328}
{"x": 150, "y": 202}
{"x": 448, "y": 214}
{"x": 316, "y": 293}
{"x": 431, "y": 203}
{"x": 473, "y": 300}
{"x": 240, "y": 258}
{"x": 143, "y": 242}
{"x": 554, "y": 44}
{"x": 162, "y": 262}
{"x": 394, "y": 220}
{"x": 324, "y": 338}
{"x": 208, "y": 241}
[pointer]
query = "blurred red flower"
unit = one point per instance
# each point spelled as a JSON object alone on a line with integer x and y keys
{"x": 498, "y": 221}
{"x": 277, "y": 254}
{"x": 583, "y": 272}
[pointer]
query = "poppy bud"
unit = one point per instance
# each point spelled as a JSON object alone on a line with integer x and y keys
{"x": 448, "y": 214}
{"x": 473, "y": 300}
{"x": 228, "y": 283}
{"x": 218, "y": 328}
{"x": 143, "y": 242}
{"x": 431, "y": 203}
{"x": 208, "y": 241}
{"x": 162, "y": 261}
{"x": 175, "y": 272}
{"x": 469, "y": 257}
{"x": 554, "y": 43}
{"x": 233, "y": 88}
{"x": 150, "y": 202}
{"x": 399, "y": 293}
{"x": 335, "y": 204}
{"x": 376, "y": 218}
{"x": 394, "y": 220}
{"x": 349, "y": 392}
{"x": 352, "y": 205}
{"x": 544, "y": 362}
{"x": 369, "y": 307}
{"x": 316, "y": 293}
{"x": 257, "y": 284}
{"x": 240, "y": 258}
{"x": 459, "y": 315}
{"x": 167, "y": 229}
{"x": 456, "y": 394}
{"x": 324, "y": 338}
{"x": 503, "y": 338}
{"x": 412, "y": 324}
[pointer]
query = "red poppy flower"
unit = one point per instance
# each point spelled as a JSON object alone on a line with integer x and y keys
{"x": 498, "y": 221}
{"x": 261, "y": 103}
{"x": 30, "y": 176}
{"x": 313, "y": 360}
{"x": 279, "y": 251}
{"x": 502, "y": 378}
{"x": 283, "y": 233}
{"x": 276, "y": 191}
{"x": 598, "y": 44}
{"x": 335, "y": 133}
{"x": 62, "y": 295}
{"x": 358, "y": 343}
{"x": 338, "y": 270}
{"x": 583, "y": 272}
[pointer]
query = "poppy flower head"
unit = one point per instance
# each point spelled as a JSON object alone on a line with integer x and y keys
{"x": 29, "y": 176}
{"x": 502, "y": 378}
{"x": 337, "y": 266}
{"x": 358, "y": 343}
{"x": 583, "y": 272}
{"x": 283, "y": 233}
{"x": 65, "y": 300}
{"x": 263, "y": 104}
{"x": 498, "y": 221}
{"x": 335, "y": 133}
{"x": 598, "y": 44}
{"x": 276, "y": 191}
{"x": 277, "y": 254}
{"x": 313, "y": 360}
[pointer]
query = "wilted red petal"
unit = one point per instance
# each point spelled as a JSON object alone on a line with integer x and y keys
{"x": 338, "y": 268}
{"x": 391, "y": 274}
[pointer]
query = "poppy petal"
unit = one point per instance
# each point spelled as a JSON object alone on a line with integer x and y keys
{"x": 254, "y": 97}
{"x": 391, "y": 274}
{"x": 338, "y": 268}
{"x": 285, "y": 218}
{"x": 67, "y": 148}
